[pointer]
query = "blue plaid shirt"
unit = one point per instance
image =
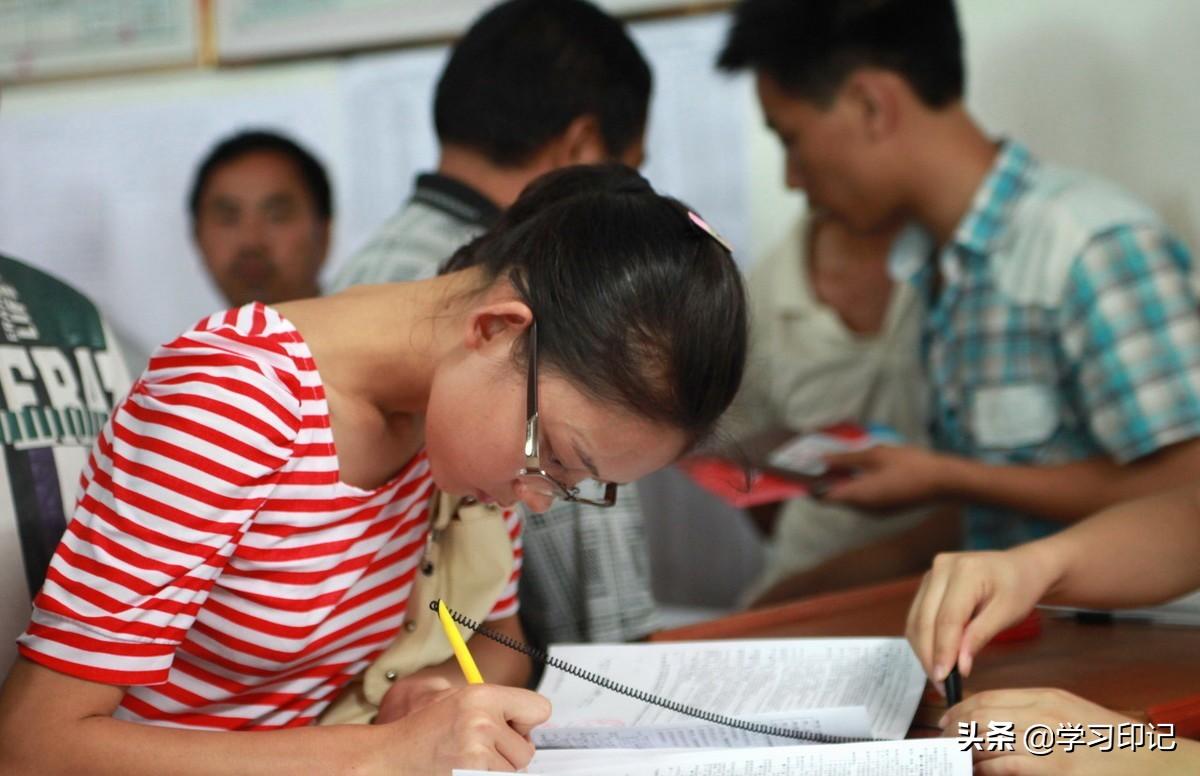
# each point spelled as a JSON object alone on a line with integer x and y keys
{"x": 1067, "y": 326}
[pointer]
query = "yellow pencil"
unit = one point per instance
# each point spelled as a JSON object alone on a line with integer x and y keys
{"x": 465, "y": 661}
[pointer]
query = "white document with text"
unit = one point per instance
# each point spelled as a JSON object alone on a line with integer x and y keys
{"x": 857, "y": 687}
{"x": 922, "y": 757}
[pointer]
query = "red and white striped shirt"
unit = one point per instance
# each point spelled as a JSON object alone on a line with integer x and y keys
{"x": 215, "y": 562}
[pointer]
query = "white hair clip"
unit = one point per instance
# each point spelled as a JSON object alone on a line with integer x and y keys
{"x": 703, "y": 225}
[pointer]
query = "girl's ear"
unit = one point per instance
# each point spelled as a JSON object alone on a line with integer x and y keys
{"x": 496, "y": 324}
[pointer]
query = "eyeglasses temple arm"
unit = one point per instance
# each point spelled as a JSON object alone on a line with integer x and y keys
{"x": 531, "y": 401}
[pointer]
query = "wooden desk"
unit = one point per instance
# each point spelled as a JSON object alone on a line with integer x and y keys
{"x": 1144, "y": 670}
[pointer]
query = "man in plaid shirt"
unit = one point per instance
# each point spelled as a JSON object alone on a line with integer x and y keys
{"x": 1062, "y": 338}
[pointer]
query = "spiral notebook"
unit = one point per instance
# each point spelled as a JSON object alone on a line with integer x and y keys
{"x": 854, "y": 688}
{"x": 862, "y": 688}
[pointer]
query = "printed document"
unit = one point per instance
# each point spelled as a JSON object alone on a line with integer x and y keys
{"x": 856, "y": 687}
{"x": 923, "y": 757}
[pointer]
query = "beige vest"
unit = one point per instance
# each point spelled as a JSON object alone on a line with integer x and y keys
{"x": 467, "y": 562}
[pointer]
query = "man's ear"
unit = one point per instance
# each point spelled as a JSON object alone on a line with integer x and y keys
{"x": 582, "y": 142}
{"x": 495, "y": 325}
{"x": 875, "y": 101}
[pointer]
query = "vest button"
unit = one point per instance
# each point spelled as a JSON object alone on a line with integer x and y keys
{"x": 410, "y": 626}
{"x": 390, "y": 676}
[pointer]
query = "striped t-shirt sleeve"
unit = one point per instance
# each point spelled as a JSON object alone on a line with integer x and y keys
{"x": 506, "y": 605}
{"x": 169, "y": 489}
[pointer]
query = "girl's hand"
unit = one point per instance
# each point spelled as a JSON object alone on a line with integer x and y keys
{"x": 411, "y": 694}
{"x": 479, "y": 727}
{"x": 967, "y": 598}
{"x": 1053, "y": 709}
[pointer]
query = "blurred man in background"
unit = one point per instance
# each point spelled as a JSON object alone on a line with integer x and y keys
{"x": 262, "y": 213}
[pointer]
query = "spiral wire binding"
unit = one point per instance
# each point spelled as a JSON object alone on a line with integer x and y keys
{"x": 641, "y": 695}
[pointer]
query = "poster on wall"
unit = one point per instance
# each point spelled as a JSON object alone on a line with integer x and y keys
{"x": 262, "y": 29}
{"x": 57, "y": 38}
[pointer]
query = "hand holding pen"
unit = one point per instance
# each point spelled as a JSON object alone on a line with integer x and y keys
{"x": 478, "y": 727}
{"x": 964, "y": 601}
{"x": 410, "y": 694}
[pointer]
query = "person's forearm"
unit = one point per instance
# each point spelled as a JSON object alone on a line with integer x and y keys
{"x": 102, "y": 745}
{"x": 498, "y": 663}
{"x": 1073, "y": 491}
{"x": 1137, "y": 553}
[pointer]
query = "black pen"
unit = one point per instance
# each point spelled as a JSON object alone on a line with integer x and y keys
{"x": 953, "y": 686}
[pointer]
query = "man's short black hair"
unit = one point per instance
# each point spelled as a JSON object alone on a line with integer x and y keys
{"x": 312, "y": 173}
{"x": 810, "y": 46}
{"x": 527, "y": 68}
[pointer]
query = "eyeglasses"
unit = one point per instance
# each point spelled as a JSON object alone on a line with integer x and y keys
{"x": 533, "y": 476}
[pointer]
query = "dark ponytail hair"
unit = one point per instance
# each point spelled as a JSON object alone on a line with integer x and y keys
{"x": 636, "y": 304}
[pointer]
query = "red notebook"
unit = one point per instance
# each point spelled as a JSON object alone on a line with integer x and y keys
{"x": 728, "y": 481}
{"x": 782, "y": 464}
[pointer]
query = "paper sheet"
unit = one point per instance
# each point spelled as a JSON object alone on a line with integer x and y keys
{"x": 854, "y": 687}
{"x": 925, "y": 757}
{"x": 805, "y": 453}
